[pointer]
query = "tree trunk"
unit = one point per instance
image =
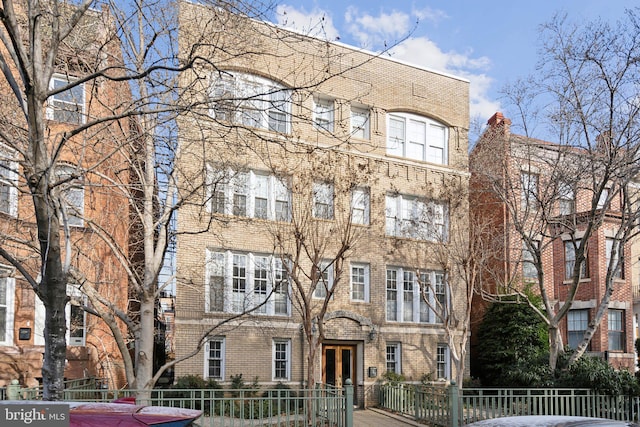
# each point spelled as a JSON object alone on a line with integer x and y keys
{"x": 52, "y": 289}
{"x": 555, "y": 346}
{"x": 144, "y": 349}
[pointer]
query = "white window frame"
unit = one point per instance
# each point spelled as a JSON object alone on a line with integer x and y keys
{"x": 529, "y": 270}
{"x": 360, "y": 275}
{"x": 443, "y": 362}
{"x": 397, "y": 354}
{"x": 275, "y": 353}
{"x": 408, "y": 290}
{"x": 9, "y": 180}
{"x": 602, "y": 200}
{"x": 323, "y": 195}
{"x": 360, "y": 206}
{"x": 609, "y": 242}
{"x": 9, "y": 284}
{"x": 360, "y": 119}
{"x": 616, "y": 325}
{"x": 324, "y": 113}
{"x": 59, "y": 98}
{"x": 251, "y": 101}
{"x": 222, "y": 358}
{"x": 71, "y": 195}
{"x": 416, "y": 218}
{"x": 76, "y": 295}
{"x": 326, "y": 272}
{"x": 417, "y": 137}
{"x": 226, "y": 188}
{"x": 570, "y": 260}
{"x": 566, "y": 199}
{"x": 530, "y": 183}
{"x": 236, "y": 301}
{"x": 576, "y": 318}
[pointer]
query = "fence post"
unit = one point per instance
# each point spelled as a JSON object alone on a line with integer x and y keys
{"x": 348, "y": 402}
{"x": 13, "y": 390}
{"x": 454, "y": 400}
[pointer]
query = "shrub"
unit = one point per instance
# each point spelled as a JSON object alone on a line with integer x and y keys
{"x": 510, "y": 336}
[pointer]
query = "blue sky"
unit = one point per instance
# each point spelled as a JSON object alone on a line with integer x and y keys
{"x": 490, "y": 42}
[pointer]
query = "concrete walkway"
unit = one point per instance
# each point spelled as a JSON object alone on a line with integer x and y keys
{"x": 374, "y": 417}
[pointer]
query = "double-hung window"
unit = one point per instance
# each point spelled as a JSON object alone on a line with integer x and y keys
{"x": 529, "y": 270}
{"x": 239, "y": 282}
{"x": 360, "y": 282}
{"x": 360, "y": 123}
{"x": 443, "y": 362}
{"x": 617, "y": 263}
{"x": 77, "y": 317}
{"x": 281, "y": 360}
{"x": 251, "y": 101}
{"x": 8, "y": 183}
{"x": 416, "y": 137}
{"x": 7, "y": 293}
{"x": 566, "y": 199}
{"x": 324, "y": 279}
{"x": 393, "y": 358}
{"x": 577, "y": 322}
{"x": 68, "y": 105}
{"x": 215, "y": 358}
{"x": 602, "y": 200}
{"x": 616, "y": 329}
{"x": 360, "y": 206}
{"x": 324, "y": 114}
{"x": 252, "y": 194}
{"x": 416, "y": 297}
{"x": 413, "y": 217}
{"x": 323, "y": 200}
{"x": 570, "y": 247}
{"x": 529, "y": 183}
{"x": 71, "y": 193}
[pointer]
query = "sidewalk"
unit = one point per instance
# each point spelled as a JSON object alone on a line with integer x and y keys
{"x": 373, "y": 417}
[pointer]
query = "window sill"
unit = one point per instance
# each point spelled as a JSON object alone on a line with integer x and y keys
{"x": 569, "y": 282}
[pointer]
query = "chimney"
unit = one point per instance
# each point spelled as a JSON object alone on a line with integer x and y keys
{"x": 498, "y": 119}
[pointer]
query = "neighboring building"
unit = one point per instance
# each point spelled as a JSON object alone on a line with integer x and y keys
{"x": 91, "y": 351}
{"x": 527, "y": 170}
{"x": 378, "y": 143}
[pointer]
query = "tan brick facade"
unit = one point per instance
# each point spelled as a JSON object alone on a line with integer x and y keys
{"x": 304, "y": 155}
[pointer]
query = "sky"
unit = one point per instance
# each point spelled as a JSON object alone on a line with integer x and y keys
{"x": 490, "y": 43}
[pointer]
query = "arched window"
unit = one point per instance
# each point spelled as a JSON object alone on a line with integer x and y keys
{"x": 252, "y": 101}
{"x": 416, "y": 137}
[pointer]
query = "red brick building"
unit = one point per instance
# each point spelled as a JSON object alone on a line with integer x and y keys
{"x": 522, "y": 187}
{"x": 81, "y": 168}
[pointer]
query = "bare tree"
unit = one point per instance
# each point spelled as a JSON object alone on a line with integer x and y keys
{"x": 462, "y": 258}
{"x": 93, "y": 95}
{"x": 576, "y": 187}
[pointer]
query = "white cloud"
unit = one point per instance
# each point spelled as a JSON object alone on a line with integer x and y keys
{"x": 316, "y": 23}
{"x": 382, "y": 31}
{"x": 376, "y": 32}
{"x": 424, "y": 52}
{"x": 428, "y": 14}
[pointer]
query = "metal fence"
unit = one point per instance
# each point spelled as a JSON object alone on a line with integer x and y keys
{"x": 324, "y": 405}
{"x": 450, "y": 406}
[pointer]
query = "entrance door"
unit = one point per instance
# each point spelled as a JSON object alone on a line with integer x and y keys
{"x": 338, "y": 364}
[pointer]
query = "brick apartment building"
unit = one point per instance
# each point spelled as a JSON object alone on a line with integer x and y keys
{"x": 90, "y": 347}
{"x": 558, "y": 202}
{"x": 377, "y": 144}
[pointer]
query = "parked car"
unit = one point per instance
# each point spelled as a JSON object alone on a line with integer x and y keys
{"x": 551, "y": 421}
{"x": 82, "y": 414}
